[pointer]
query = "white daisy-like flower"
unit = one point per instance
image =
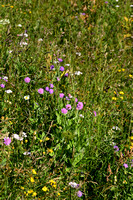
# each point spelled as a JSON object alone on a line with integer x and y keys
{"x": 17, "y": 137}
{"x": 27, "y": 97}
{"x": 116, "y": 128}
{"x": 8, "y": 91}
{"x": 27, "y": 153}
{"x": 10, "y": 51}
{"x": 78, "y": 73}
{"x": 78, "y": 53}
{"x": 73, "y": 184}
{"x": 19, "y": 25}
{"x": 40, "y": 40}
{"x": 131, "y": 6}
{"x": 56, "y": 62}
{"x": 117, "y": 6}
{"x": 24, "y": 134}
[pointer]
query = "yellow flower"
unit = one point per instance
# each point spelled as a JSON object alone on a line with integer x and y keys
{"x": 52, "y": 182}
{"x": 26, "y": 141}
{"x": 50, "y": 150}
{"x": 131, "y": 147}
{"x": 58, "y": 194}
{"x": 119, "y": 70}
{"x": 43, "y": 153}
{"x": 34, "y": 194}
{"x": 32, "y": 180}
{"x": 40, "y": 140}
{"x": 11, "y": 6}
{"x": 124, "y": 182}
{"x": 54, "y": 186}
{"x": 30, "y": 191}
{"x": 47, "y": 138}
{"x": 121, "y": 97}
{"x": 22, "y": 188}
{"x": 130, "y": 75}
{"x": 121, "y": 92}
{"x": 131, "y": 137}
{"x": 45, "y": 189}
{"x": 114, "y": 92}
{"x": 123, "y": 69}
{"x": 3, "y": 6}
{"x": 29, "y": 11}
{"x": 114, "y": 98}
{"x": 33, "y": 171}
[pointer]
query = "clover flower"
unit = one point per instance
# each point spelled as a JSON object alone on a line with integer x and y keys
{"x": 2, "y": 85}
{"x": 51, "y": 91}
{"x": 47, "y": 89}
{"x": 51, "y": 85}
{"x": 95, "y": 113}
{"x": 61, "y": 95}
{"x": 66, "y": 75}
{"x": 79, "y": 193}
{"x": 40, "y": 91}
{"x": 79, "y": 106}
{"x": 74, "y": 185}
{"x": 125, "y": 165}
{"x": 7, "y": 141}
{"x": 8, "y": 91}
{"x": 62, "y": 68}
{"x": 76, "y": 100}
{"x": 68, "y": 107}
{"x": 60, "y": 60}
{"x": 58, "y": 79}
{"x": 64, "y": 110}
{"x": 27, "y": 80}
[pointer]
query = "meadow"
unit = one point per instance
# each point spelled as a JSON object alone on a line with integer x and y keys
{"x": 66, "y": 100}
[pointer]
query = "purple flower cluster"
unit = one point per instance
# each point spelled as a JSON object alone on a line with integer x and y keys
{"x": 7, "y": 141}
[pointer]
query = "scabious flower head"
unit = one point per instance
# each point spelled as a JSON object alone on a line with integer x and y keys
{"x": 62, "y": 68}
{"x": 60, "y": 60}
{"x": 52, "y": 67}
{"x": 47, "y": 89}
{"x": 74, "y": 185}
{"x": 51, "y": 85}
{"x": 51, "y": 91}
{"x": 64, "y": 110}
{"x": 79, "y": 106}
{"x": 7, "y": 141}
{"x": 125, "y": 165}
{"x": 40, "y": 91}
{"x": 27, "y": 80}
{"x": 79, "y": 193}
{"x": 66, "y": 75}
{"x": 116, "y": 148}
{"x": 61, "y": 95}
{"x": 2, "y": 85}
{"x": 68, "y": 107}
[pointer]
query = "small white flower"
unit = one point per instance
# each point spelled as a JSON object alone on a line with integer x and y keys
{"x": 81, "y": 115}
{"x": 78, "y": 53}
{"x": 67, "y": 65}
{"x": 117, "y": 6}
{"x": 56, "y": 62}
{"x": 27, "y": 153}
{"x": 10, "y": 51}
{"x": 116, "y": 128}
{"x": 23, "y": 43}
{"x": 131, "y": 6}
{"x": 78, "y": 73}
{"x": 40, "y": 40}
{"x": 19, "y": 25}
{"x": 8, "y": 91}
{"x": 4, "y": 21}
{"x": 25, "y": 35}
{"x": 73, "y": 184}
{"x": 27, "y": 97}
{"x": 24, "y": 134}
{"x": 16, "y": 136}
{"x": 5, "y": 78}
{"x": 117, "y": 0}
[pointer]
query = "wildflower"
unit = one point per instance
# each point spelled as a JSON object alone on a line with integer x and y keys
{"x": 2, "y": 85}
{"x": 116, "y": 147}
{"x": 79, "y": 193}
{"x": 40, "y": 91}
{"x": 114, "y": 98}
{"x": 79, "y": 106}
{"x": 76, "y": 100}
{"x": 52, "y": 182}
{"x": 123, "y": 69}
{"x": 121, "y": 98}
{"x": 124, "y": 182}
{"x": 4, "y": 21}
{"x": 19, "y": 25}
{"x": 27, "y": 153}
{"x": 32, "y": 180}
{"x": 116, "y": 128}
{"x": 16, "y": 136}
{"x": 78, "y": 73}
{"x": 58, "y": 194}
{"x": 33, "y": 171}
{"x": 40, "y": 40}
{"x": 68, "y": 107}
{"x": 81, "y": 116}
{"x": 51, "y": 85}
{"x": 45, "y": 189}
{"x": 34, "y": 194}
{"x": 117, "y": 6}
{"x": 70, "y": 96}
{"x": 7, "y": 141}
{"x": 22, "y": 188}
{"x": 60, "y": 60}
{"x": 78, "y": 53}
{"x": 47, "y": 139}
{"x": 125, "y": 165}
{"x": 27, "y": 80}
{"x": 66, "y": 75}
{"x": 24, "y": 134}
{"x": 64, "y": 111}
{"x": 73, "y": 184}
{"x": 50, "y": 150}
{"x": 52, "y": 67}
{"x": 121, "y": 92}
{"x": 130, "y": 75}
{"x": 58, "y": 79}
{"x": 51, "y": 91}
{"x": 95, "y": 113}
{"x": 62, "y": 68}
{"x": 23, "y": 44}
{"x": 30, "y": 191}
{"x": 26, "y": 141}
{"x": 67, "y": 98}
{"x": 119, "y": 70}
{"x": 47, "y": 89}
{"x": 61, "y": 95}
{"x": 41, "y": 141}
{"x": 54, "y": 186}
{"x": 106, "y": 1}
{"x": 67, "y": 65}
{"x": 8, "y": 91}
{"x": 27, "y": 97}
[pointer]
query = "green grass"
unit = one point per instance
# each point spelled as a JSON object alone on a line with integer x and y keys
{"x": 77, "y": 146}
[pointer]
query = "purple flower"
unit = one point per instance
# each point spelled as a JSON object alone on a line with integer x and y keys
{"x": 2, "y": 85}
{"x": 61, "y": 95}
{"x": 52, "y": 67}
{"x": 79, "y": 106}
{"x": 47, "y": 89}
{"x": 106, "y": 1}
{"x": 27, "y": 80}
{"x": 117, "y": 148}
{"x": 64, "y": 111}
{"x": 7, "y": 141}
{"x": 51, "y": 91}
{"x": 40, "y": 91}
{"x": 79, "y": 193}
{"x": 76, "y": 100}
{"x": 95, "y": 113}
{"x": 66, "y": 75}
{"x": 0, "y": 77}
{"x": 67, "y": 99}
{"x": 58, "y": 79}
{"x": 125, "y": 165}
{"x": 82, "y": 13}
{"x": 60, "y": 60}
{"x": 51, "y": 85}
{"x": 62, "y": 68}
{"x": 68, "y": 107}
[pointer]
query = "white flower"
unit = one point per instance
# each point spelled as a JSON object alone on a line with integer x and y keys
{"x": 116, "y": 128}
{"x": 78, "y": 73}
{"x": 117, "y": 0}
{"x": 8, "y": 91}
{"x": 73, "y": 184}
{"x": 24, "y": 134}
{"x": 27, "y": 97}
{"x": 5, "y": 78}
{"x": 19, "y": 25}
{"x": 16, "y": 136}
{"x": 23, "y": 43}
{"x": 56, "y": 62}
{"x": 81, "y": 115}
{"x": 67, "y": 65}
{"x": 10, "y": 51}
{"x": 40, "y": 40}
{"x": 117, "y": 6}
{"x": 4, "y": 21}
{"x": 78, "y": 53}
{"x": 23, "y": 34}
{"x": 131, "y": 6}
{"x": 27, "y": 153}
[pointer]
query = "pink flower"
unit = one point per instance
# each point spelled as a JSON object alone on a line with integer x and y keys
{"x": 64, "y": 111}
{"x": 125, "y": 165}
{"x": 62, "y": 68}
{"x": 95, "y": 113}
{"x": 60, "y": 60}
{"x": 2, "y": 85}
{"x": 79, "y": 106}
{"x": 7, "y": 141}
{"x": 40, "y": 91}
{"x": 51, "y": 91}
{"x": 76, "y": 100}
{"x": 58, "y": 79}
{"x": 51, "y": 85}
{"x": 47, "y": 89}
{"x": 61, "y": 95}
{"x": 79, "y": 193}
{"x": 68, "y": 107}
{"x": 27, "y": 80}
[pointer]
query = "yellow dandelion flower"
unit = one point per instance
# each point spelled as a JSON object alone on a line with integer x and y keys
{"x": 58, "y": 194}
{"x": 3, "y": 6}
{"x": 114, "y": 98}
{"x": 29, "y": 11}
{"x": 32, "y": 180}
{"x": 54, "y": 186}
{"x": 130, "y": 75}
{"x": 131, "y": 137}
{"x": 123, "y": 69}
{"x": 26, "y": 141}
{"x": 11, "y": 6}
{"x": 121, "y": 98}
{"x": 30, "y": 191}
{"x": 45, "y": 189}
{"x": 121, "y": 92}
{"x": 50, "y": 150}
{"x": 64, "y": 188}
{"x": 34, "y": 194}
{"x": 41, "y": 141}
{"x": 114, "y": 92}
{"x": 119, "y": 70}
{"x": 47, "y": 138}
{"x": 44, "y": 153}
{"x": 22, "y": 188}
{"x": 52, "y": 181}
{"x": 12, "y": 147}
{"x": 33, "y": 171}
